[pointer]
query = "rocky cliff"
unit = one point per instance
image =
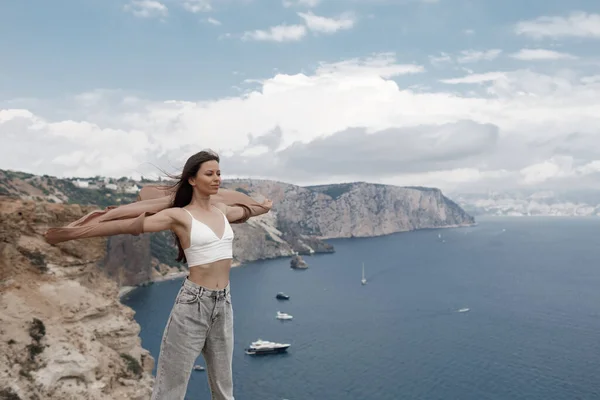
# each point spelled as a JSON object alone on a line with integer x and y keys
{"x": 128, "y": 259}
{"x": 354, "y": 209}
{"x": 63, "y": 332}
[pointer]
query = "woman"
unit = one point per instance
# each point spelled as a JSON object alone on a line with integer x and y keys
{"x": 201, "y": 320}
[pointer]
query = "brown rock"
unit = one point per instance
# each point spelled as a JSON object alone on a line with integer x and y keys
{"x": 86, "y": 328}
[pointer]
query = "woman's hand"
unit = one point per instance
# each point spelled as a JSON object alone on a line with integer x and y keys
{"x": 267, "y": 203}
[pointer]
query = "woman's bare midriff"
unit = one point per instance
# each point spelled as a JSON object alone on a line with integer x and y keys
{"x": 212, "y": 276}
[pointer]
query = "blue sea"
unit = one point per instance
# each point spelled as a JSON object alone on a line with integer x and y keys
{"x": 532, "y": 331}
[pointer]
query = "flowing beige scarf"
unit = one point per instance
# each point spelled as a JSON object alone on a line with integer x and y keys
{"x": 129, "y": 218}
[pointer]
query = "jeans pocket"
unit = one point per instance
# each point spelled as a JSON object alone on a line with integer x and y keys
{"x": 186, "y": 297}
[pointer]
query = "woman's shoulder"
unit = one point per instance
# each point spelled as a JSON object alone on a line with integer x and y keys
{"x": 177, "y": 213}
{"x": 221, "y": 206}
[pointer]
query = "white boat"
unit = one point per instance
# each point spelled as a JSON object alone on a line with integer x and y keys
{"x": 464, "y": 310}
{"x": 198, "y": 368}
{"x": 363, "y": 281}
{"x": 265, "y": 347}
{"x": 281, "y": 315}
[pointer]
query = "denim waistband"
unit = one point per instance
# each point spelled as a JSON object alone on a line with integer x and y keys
{"x": 202, "y": 291}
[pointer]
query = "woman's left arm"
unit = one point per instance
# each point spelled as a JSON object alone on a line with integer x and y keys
{"x": 238, "y": 213}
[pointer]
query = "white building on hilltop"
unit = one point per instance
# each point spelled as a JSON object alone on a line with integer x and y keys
{"x": 131, "y": 189}
{"x": 81, "y": 184}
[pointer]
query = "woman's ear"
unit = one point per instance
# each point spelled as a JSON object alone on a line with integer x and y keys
{"x": 192, "y": 181}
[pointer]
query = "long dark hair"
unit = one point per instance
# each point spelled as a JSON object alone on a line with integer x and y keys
{"x": 183, "y": 190}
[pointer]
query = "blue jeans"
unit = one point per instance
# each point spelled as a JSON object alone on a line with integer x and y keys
{"x": 201, "y": 321}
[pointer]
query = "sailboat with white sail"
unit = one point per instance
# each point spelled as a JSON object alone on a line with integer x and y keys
{"x": 363, "y": 281}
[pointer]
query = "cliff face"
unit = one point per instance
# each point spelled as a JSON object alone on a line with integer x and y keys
{"x": 63, "y": 332}
{"x": 357, "y": 209}
{"x": 128, "y": 259}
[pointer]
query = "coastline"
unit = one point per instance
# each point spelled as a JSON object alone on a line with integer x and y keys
{"x": 125, "y": 290}
{"x": 454, "y": 226}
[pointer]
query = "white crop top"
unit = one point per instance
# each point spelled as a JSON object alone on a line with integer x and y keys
{"x": 205, "y": 245}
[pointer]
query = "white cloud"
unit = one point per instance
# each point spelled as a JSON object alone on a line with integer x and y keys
{"x": 83, "y": 148}
{"x": 214, "y": 21}
{"x": 197, "y": 6}
{"x": 443, "y": 58}
{"x": 536, "y": 117}
{"x": 279, "y": 33}
{"x": 591, "y": 79}
{"x": 469, "y": 32}
{"x": 476, "y": 78}
{"x": 382, "y": 65}
{"x": 293, "y": 33}
{"x": 147, "y": 8}
{"x": 321, "y": 24}
{"x": 577, "y": 24}
{"x": 466, "y": 57}
{"x": 541, "y": 54}
{"x": 525, "y": 84}
{"x": 556, "y": 167}
{"x": 471, "y": 56}
{"x": 447, "y": 178}
{"x": 10, "y": 114}
{"x": 301, "y": 3}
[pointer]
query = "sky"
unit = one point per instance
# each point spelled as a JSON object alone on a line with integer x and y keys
{"x": 464, "y": 95}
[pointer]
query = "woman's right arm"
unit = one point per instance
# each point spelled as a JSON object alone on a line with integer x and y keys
{"x": 137, "y": 222}
{"x": 164, "y": 220}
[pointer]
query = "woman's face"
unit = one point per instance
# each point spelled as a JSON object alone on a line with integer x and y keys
{"x": 208, "y": 178}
